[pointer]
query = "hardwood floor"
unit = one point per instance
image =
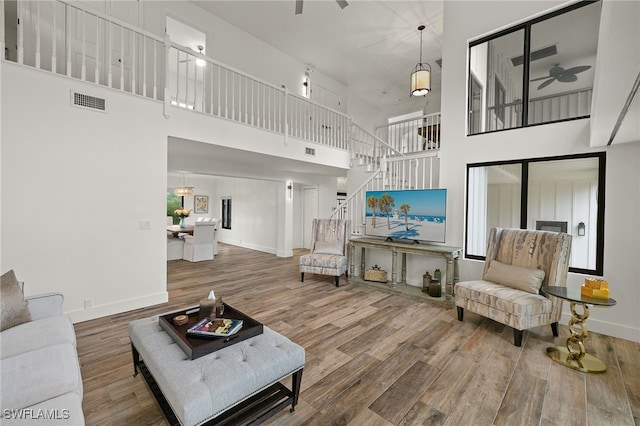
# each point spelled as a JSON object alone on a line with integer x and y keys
{"x": 372, "y": 358}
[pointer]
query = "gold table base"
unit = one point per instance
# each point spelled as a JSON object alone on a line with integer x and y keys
{"x": 574, "y": 355}
{"x": 588, "y": 363}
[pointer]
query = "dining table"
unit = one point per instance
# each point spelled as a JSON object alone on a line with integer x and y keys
{"x": 176, "y": 229}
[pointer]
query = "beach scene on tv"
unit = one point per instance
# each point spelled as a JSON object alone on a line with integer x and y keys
{"x": 418, "y": 214}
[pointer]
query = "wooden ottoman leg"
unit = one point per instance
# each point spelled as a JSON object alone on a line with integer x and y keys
{"x": 302, "y": 276}
{"x": 460, "y": 313}
{"x": 554, "y": 329}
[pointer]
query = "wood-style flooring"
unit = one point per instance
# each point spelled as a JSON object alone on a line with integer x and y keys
{"x": 372, "y": 358}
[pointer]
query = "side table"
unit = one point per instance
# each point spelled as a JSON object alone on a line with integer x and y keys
{"x": 578, "y": 359}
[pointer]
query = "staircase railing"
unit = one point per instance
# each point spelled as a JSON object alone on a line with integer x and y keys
{"x": 416, "y": 171}
{"x": 413, "y": 134}
{"x": 367, "y": 149}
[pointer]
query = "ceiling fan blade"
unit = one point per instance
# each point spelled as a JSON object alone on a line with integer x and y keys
{"x": 298, "y": 7}
{"x": 541, "y": 78}
{"x": 342, "y": 3}
{"x": 576, "y": 70}
{"x": 546, "y": 83}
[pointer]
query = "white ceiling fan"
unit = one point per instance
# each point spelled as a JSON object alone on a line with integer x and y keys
{"x": 341, "y": 3}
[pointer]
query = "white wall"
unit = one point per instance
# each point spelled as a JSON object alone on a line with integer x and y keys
{"x": 75, "y": 184}
{"x": 622, "y": 236}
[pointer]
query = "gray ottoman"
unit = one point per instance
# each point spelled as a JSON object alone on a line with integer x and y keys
{"x": 237, "y": 384}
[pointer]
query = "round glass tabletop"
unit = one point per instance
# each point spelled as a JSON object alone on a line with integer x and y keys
{"x": 574, "y": 295}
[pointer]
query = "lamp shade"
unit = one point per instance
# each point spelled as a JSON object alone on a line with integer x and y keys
{"x": 420, "y": 80}
{"x": 183, "y": 190}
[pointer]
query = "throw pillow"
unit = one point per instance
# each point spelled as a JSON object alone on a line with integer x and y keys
{"x": 328, "y": 247}
{"x": 14, "y": 310}
{"x": 525, "y": 279}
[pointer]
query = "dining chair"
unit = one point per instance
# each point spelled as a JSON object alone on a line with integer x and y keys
{"x": 200, "y": 245}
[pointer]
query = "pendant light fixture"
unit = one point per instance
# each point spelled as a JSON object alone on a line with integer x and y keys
{"x": 421, "y": 74}
{"x": 183, "y": 190}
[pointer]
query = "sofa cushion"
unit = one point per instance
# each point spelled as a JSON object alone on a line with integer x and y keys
{"x": 328, "y": 247}
{"x": 38, "y": 375}
{"x": 14, "y": 310}
{"x": 63, "y": 410}
{"x": 517, "y": 277}
{"x": 43, "y": 332}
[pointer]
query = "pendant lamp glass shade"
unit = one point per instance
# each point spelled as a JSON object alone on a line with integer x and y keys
{"x": 421, "y": 74}
{"x": 183, "y": 190}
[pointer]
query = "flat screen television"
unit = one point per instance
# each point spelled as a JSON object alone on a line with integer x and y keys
{"x": 414, "y": 214}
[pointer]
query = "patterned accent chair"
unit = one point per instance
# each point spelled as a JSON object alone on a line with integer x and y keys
{"x": 518, "y": 262}
{"x": 329, "y": 249}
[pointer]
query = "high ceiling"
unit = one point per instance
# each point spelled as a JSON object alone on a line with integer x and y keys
{"x": 370, "y": 46}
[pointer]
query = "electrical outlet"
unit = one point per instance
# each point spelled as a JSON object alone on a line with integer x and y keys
{"x": 88, "y": 303}
{"x": 145, "y": 224}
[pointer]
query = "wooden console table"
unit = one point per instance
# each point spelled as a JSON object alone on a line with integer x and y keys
{"x": 451, "y": 255}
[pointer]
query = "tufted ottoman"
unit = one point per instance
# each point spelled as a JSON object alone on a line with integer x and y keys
{"x": 236, "y": 384}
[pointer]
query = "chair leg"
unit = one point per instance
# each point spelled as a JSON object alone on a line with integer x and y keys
{"x": 517, "y": 337}
{"x": 554, "y": 329}
{"x": 337, "y": 281}
{"x": 460, "y": 313}
{"x": 302, "y": 276}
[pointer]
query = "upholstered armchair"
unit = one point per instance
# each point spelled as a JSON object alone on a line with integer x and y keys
{"x": 200, "y": 245}
{"x": 518, "y": 262}
{"x": 329, "y": 249}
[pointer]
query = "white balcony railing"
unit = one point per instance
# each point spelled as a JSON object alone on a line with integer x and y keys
{"x": 67, "y": 39}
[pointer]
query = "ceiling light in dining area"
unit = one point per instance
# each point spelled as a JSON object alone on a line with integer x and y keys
{"x": 183, "y": 190}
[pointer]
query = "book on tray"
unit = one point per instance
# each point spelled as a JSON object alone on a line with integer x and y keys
{"x": 215, "y": 327}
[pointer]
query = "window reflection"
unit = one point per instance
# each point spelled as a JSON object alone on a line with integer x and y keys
{"x": 558, "y": 58}
{"x": 497, "y": 89}
{"x": 562, "y": 193}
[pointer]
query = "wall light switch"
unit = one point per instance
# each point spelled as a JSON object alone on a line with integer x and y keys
{"x": 145, "y": 224}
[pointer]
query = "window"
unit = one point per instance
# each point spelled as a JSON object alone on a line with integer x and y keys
{"x": 541, "y": 71}
{"x": 557, "y": 193}
{"x": 173, "y": 202}
{"x": 226, "y": 212}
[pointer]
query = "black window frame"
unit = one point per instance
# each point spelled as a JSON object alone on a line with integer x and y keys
{"x": 526, "y": 26}
{"x": 524, "y": 198}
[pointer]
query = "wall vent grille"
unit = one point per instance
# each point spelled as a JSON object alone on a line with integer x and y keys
{"x": 310, "y": 151}
{"x": 87, "y": 101}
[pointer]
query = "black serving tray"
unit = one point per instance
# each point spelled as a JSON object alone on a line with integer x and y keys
{"x": 195, "y": 347}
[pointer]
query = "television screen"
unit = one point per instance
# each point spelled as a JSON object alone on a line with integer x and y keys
{"x": 415, "y": 214}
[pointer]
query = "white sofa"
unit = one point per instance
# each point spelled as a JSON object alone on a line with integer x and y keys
{"x": 41, "y": 381}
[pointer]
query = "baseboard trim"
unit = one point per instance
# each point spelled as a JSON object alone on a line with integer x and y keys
{"x": 607, "y": 328}
{"x": 99, "y": 311}
{"x": 256, "y": 247}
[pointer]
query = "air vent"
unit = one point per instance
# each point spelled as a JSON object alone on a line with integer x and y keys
{"x": 310, "y": 151}
{"x": 82, "y": 100}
